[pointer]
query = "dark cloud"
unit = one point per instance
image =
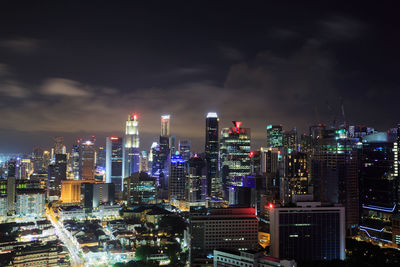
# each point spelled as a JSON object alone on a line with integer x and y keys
{"x": 20, "y": 45}
{"x": 259, "y": 63}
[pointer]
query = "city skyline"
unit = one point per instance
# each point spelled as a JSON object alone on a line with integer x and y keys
{"x": 273, "y": 65}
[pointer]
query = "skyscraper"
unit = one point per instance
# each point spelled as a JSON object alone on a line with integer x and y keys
{"x": 176, "y": 181}
{"x": 165, "y": 125}
{"x": 114, "y": 158}
{"x": 59, "y": 145}
{"x": 334, "y": 172}
{"x": 131, "y": 152}
{"x": 274, "y": 136}
{"x": 184, "y": 149}
{"x": 235, "y": 154}
{"x": 87, "y": 160}
{"x": 38, "y": 160}
{"x": 214, "y": 184}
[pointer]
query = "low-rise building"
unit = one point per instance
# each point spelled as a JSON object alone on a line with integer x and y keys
{"x": 248, "y": 259}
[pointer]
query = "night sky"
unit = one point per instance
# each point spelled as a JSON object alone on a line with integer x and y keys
{"x": 77, "y": 68}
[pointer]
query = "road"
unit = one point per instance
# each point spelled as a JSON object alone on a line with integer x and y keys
{"x": 76, "y": 260}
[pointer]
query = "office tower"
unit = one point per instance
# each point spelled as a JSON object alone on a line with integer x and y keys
{"x": 229, "y": 228}
{"x": 235, "y": 154}
{"x": 46, "y": 159}
{"x": 87, "y": 160}
{"x": 154, "y": 158}
{"x": 378, "y": 187}
{"x": 290, "y": 140}
{"x": 143, "y": 161}
{"x": 176, "y": 179}
{"x": 307, "y": 232}
{"x": 306, "y": 144}
{"x": 196, "y": 183}
{"x": 297, "y": 173}
{"x": 274, "y": 136}
{"x": 163, "y": 161}
{"x": 38, "y": 160}
{"x": 255, "y": 162}
{"x": 172, "y": 144}
{"x": 75, "y": 159}
{"x": 214, "y": 182}
{"x": 165, "y": 125}
{"x": 58, "y": 145}
{"x": 131, "y": 153}
{"x": 334, "y": 172}
{"x": 57, "y": 172}
{"x": 101, "y": 157}
{"x": 184, "y": 149}
{"x": 114, "y": 158}
{"x": 140, "y": 188}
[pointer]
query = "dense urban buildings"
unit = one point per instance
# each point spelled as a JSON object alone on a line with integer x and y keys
{"x": 188, "y": 134}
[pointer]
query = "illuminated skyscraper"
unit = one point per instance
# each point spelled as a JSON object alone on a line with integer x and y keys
{"x": 165, "y": 125}
{"x": 235, "y": 154}
{"x": 87, "y": 160}
{"x": 176, "y": 181}
{"x": 214, "y": 184}
{"x": 114, "y": 157}
{"x": 131, "y": 156}
{"x": 274, "y": 136}
{"x": 184, "y": 149}
{"x": 58, "y": 145}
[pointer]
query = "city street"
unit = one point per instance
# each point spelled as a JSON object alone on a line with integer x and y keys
{"x": 73, "y": 250}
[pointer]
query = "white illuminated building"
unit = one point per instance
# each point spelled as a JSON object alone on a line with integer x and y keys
{"x": 131, "y": 151}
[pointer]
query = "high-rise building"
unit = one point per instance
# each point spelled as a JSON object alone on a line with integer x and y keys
{"x": 274, "y": 136}
{"x": 176, "y": 179}
{"x": 196, "y": 183}
{"x": 143, "y": 161}
{"x": 140, "y": 188}
{"x": 297, "y": 173}
{"x": 378, "y": 188}
{"x": 38, "y": 160}
{"x": 307, "y": 232}
{"x": 114, "y": 162}
{"x": 214, "y": 182}
{"x": 290, "y": 140}
{"x": 59, "y": 145}
{"x": 165, "y": 125}
{"x": 131, "y": 152}
{"x": 184, "y": 149}
{"x": 334, "y": 172}
{"x": 101, "y": 157}
{"x": 235, "y": 154}
{"x": 75, "y": 159}
{"x": 87, "y": 160}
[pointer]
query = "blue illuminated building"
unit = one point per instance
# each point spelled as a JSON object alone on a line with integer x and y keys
{"x": 176, "y": 181}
